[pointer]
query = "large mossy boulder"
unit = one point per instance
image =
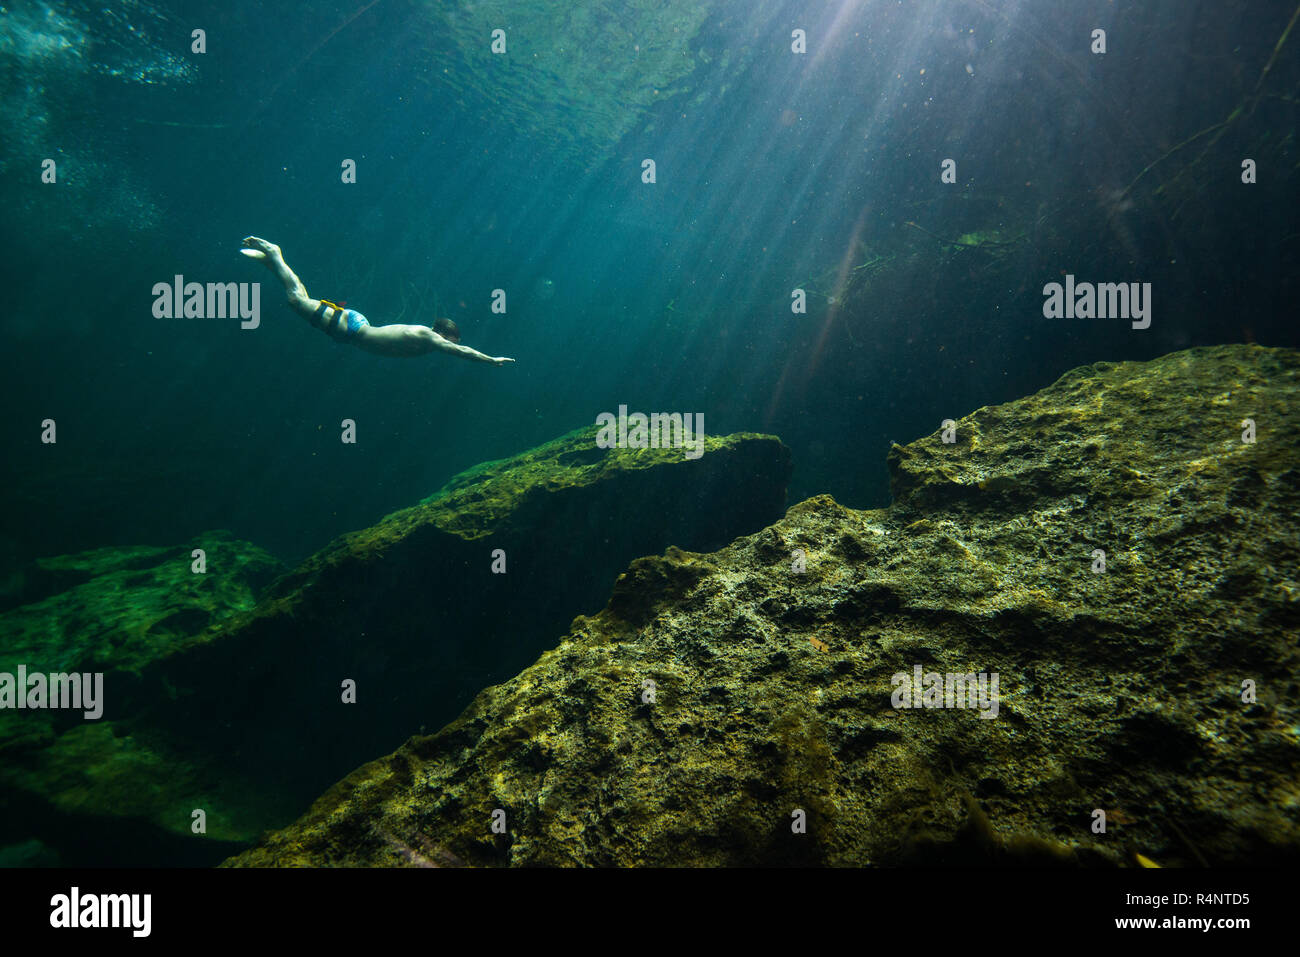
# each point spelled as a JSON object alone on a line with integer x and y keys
{"x": 1159, "y": 688}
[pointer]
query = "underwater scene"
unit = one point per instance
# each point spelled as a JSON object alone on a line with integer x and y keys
{"x": 650, "y": 433}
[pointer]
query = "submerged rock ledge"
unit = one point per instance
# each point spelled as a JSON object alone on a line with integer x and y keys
{"x": 223, "y": 692}
{"x": 1120, "y": 690}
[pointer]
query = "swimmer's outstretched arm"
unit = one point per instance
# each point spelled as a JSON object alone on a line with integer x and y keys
{"x": 403, "y": 340}
{"x": 394, "y": 340}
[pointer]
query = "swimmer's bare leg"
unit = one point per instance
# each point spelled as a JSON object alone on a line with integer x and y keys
{"x": 270, "y": 256}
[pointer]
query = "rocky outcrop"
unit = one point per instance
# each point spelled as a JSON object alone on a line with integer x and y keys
{"x": 95, "y": 789}
{"x": 244, "y": 714}
{"x": 1112, "y": 549}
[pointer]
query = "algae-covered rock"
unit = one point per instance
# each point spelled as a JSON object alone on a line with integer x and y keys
{"x": 117, "y": 611}
{"x": 397, "y": 627}
{"x": 119, "y": 608}
{"x": 243, "y": 717}
{"x": 721, "y": 702}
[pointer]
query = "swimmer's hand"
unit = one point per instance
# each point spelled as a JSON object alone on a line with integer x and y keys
{"x": 500, "y": 360}
{"x": 259, "y": 249}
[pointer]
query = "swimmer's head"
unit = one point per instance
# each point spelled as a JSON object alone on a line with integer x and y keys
{"x": 447, "y": 329}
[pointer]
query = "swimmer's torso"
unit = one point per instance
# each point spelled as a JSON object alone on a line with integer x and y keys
{"x": 338, "y": 322}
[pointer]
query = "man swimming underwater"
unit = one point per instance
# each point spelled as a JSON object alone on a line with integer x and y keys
{"x": 348, "y": 325}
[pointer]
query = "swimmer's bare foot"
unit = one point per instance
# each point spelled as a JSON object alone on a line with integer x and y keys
{"x": 260, "y": 249}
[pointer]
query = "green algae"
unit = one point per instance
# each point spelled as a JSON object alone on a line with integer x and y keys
{"x": 118, "y": 611}
{"x": 120, "y": 608}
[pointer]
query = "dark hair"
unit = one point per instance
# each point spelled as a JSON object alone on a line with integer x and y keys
{"x": 447, "y": 329}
